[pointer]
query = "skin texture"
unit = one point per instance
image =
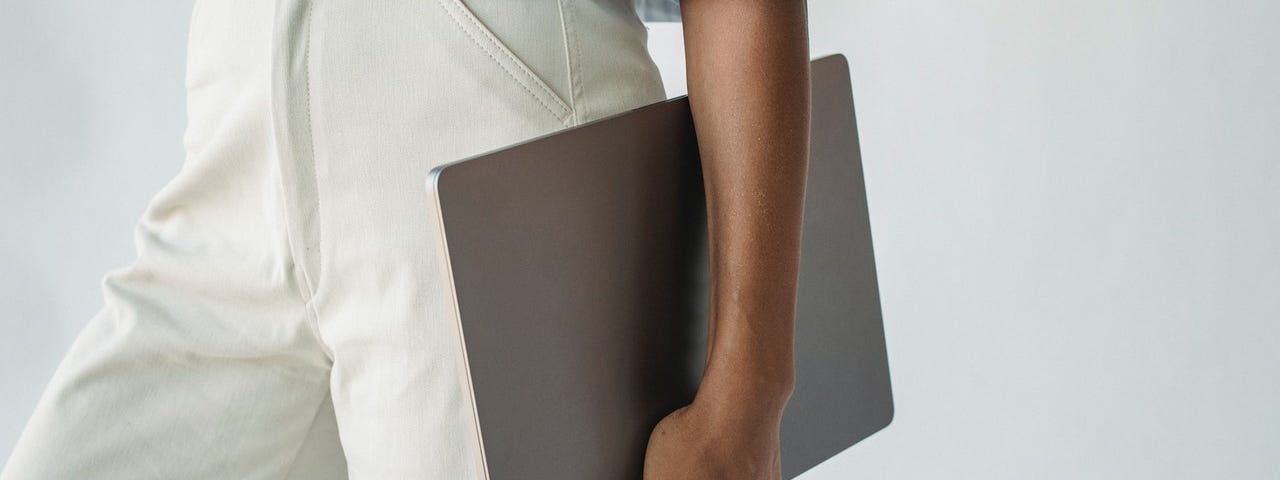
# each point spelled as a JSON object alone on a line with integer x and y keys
{"x": 748, "y": 74}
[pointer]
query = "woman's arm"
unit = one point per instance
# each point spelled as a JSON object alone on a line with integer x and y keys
{"x": 748, "y": 73}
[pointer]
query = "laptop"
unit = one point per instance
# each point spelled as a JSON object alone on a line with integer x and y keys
{"x": 578, "y": 264}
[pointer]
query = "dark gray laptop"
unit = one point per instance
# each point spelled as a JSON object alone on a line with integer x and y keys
{"x": 578, "y": 264}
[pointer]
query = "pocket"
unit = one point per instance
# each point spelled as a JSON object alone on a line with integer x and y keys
{"x": 493, "y": 47}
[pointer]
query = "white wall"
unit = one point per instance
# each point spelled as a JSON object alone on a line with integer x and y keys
{"x": 1075, "y": 213}
{"x": 91, "y": 122}
{"x": 1074, "y": 207}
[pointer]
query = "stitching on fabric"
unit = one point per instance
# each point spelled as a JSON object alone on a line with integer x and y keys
{"x": 568, "y": 62}
{"x": 504, "y": 67}
{"x": 575, "y": 80}
{"x": 497, "y": 45}
{"x": 315, "y": 178}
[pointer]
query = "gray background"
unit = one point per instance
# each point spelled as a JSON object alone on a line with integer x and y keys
{"x": 1074, "y": 206}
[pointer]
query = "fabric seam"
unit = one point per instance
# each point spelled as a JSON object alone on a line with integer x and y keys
{"x": 575, "y": 78}
{"x": 312, "y": 286}
{"x": 565, "y": 110}
{"x": 569, "y": 63}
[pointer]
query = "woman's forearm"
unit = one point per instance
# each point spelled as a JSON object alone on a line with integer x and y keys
{"x": 748, "y": 77}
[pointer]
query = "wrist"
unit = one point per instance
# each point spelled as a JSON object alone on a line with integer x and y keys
{"x": 746, "y": 393}
{"x": 750, "y": 371}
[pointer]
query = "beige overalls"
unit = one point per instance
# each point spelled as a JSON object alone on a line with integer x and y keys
{"x": 285, "y": 316}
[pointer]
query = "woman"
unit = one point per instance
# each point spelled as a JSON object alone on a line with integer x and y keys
{"x": 284, "y": 317}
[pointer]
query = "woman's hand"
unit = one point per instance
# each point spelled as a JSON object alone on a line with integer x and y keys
{"x": 730, "y": 431}
{"x": 694, "y": 443}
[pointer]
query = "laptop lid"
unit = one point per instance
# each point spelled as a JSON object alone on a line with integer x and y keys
{"x": 578, "y": 262}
